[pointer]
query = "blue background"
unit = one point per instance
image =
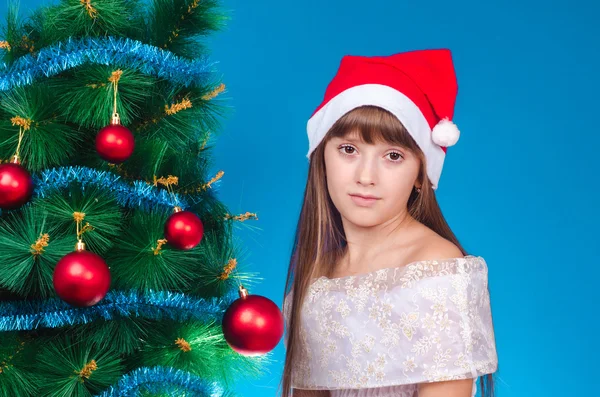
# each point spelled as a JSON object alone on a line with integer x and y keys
{"x": 520, "y": 187}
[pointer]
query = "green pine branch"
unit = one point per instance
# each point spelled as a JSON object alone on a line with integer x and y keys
{"x": 16, "y": 375}
{"x": 176, "y": 24}
{"x": 32, "y": 246}
{"x": 222, "y": 271}
{"x": 97, "y": 207}
{"x": 89, "y": 18}
{"x": 74, "y": 368}
{"x": 86, "y": 97}
{"x": 141, "y": 261}
{"x": 13, "y": 32}
{"x": 201, "y": 349}
{"x": 47, "y": 140}
{"x": 125, "y": 335}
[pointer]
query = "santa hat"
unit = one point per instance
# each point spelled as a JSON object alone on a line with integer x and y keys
{"x": 418, "y": 87}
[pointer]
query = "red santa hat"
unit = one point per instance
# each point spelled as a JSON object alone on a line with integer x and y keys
{"x": 418, "y": 87}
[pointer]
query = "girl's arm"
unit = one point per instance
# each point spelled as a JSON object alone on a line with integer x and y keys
{"x": 452, "y": 388}
{"x": 310, "y": 393}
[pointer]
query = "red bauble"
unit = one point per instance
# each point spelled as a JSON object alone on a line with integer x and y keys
{"x": 115, "y": 143}
{"x": 16, "y": 186}
{"x": 252, "y": 325}
{"x": 81, "y": 278}
{"x": 184, "y": 230}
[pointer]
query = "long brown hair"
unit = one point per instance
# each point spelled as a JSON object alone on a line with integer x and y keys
{"x": 320, "y": 240}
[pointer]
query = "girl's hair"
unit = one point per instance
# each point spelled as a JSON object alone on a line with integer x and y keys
{"x": 320, "y": 239}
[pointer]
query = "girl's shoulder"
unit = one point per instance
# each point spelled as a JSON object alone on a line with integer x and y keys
{"x": 432, "y": 246}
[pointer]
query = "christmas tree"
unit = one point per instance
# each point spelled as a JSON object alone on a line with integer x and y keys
{"x": 119, "y": 267}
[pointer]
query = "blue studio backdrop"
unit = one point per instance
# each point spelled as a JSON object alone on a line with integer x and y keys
{"x": 519, "y": 188}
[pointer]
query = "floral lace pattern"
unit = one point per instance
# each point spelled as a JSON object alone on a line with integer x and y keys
{"x": 423, "y": 322}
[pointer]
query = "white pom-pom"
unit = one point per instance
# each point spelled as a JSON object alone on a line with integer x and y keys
{"x": 445, "y": 133}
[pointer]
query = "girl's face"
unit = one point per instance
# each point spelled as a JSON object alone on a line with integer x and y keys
{"x": 385, "y": 171}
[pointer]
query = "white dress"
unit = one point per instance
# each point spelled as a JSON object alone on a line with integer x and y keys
{"x": 380, "y": 334}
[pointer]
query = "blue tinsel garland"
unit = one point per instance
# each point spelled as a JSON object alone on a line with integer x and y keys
{"x": 160, "y": 378}
{"x": 138, "y": 195}
{"x": 54, "y": 313}
{"x": 120, "y": 52}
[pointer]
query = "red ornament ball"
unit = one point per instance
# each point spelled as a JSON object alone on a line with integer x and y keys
{"x": 115, "y": 143}
{"x": 184, "y": 230}
{"x": 81, "y": 278}
{"x": 253, "y": 325}
{"x": 16, "y": 186}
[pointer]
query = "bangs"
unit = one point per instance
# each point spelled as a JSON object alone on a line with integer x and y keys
{"x": 372, "y": 124}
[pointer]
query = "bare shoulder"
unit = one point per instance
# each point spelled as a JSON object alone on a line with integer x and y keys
{"x": 433, "y": 246}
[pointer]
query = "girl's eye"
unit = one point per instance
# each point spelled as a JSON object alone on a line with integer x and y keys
{"x": 345, "y": 151}
{"x": 396, "y": 157}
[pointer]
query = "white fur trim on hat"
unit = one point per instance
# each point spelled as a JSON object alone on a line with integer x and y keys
{"x": 389, "y": 99}
{"x": 445, "y": 133}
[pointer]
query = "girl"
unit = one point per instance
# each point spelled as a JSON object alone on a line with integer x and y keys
{"x": 381, "y": 298}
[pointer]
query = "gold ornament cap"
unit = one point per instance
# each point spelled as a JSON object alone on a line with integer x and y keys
{"x": 80, "y": 246}
{"x": 16, "y": 159}
{"x": 243, "y": 292}
{"x": 116, "y": 119}
{"x": 177, "y": 209}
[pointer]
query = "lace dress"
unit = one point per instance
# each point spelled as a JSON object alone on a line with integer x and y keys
{"x": 382, "y": 333}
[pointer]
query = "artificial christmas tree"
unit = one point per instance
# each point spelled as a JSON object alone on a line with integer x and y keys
{"x": 109, "y": 106}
